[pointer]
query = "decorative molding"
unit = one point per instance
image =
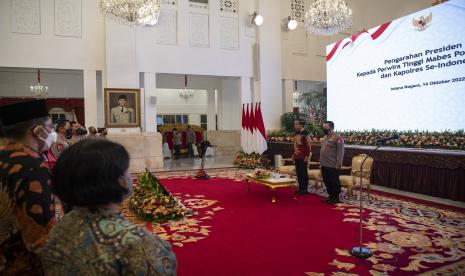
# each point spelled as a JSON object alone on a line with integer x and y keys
{"x": 169, "y": 3}
{"x": 229, "y": 6}
{"x": 199, "y": 33}
{"x": 298, "y": 10}
{"x": 167, "y": 27}
{"x": 25, "y": 16}
{"x": 198, "y": 4}
{"x": 229, "y": 33}
{"x": 68, "y": 18}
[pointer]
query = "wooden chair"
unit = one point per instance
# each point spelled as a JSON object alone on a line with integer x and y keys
{"x": 315, "y": 175}
{"x": 350, "y": 181}
{"x": 290, "y": 170}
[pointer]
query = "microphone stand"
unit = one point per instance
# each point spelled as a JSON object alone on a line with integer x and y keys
{"x": 202, "y": 149}
{"x": 360, "y": 251}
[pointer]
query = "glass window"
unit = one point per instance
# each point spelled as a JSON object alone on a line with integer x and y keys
{"x": 203, "y": 121}
{"x": 159, "y": 119}
{"x": 169, "y": 119}
{"x": 185, "y": 119}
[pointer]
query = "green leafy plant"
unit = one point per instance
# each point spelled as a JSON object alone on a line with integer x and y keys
{"x": 288, "y": 119}
{"x": 450, "y": 140}
{"x": 151, "y": 201}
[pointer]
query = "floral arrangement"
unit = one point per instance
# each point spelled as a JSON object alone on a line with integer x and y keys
{"x": 152, "y": 202}
{"x": 261, "y": 174}
{"x": 450, "y": 140}
{"x": 250, "y": 161}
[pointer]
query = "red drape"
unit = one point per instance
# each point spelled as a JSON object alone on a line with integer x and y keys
{"x": 76, "y": 104}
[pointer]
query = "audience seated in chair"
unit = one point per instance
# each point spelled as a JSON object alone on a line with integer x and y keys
{"x": 92, "y": 178}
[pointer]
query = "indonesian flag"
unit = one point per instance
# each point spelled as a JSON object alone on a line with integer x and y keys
{"x": 247, "y": 130}
{"x": 243, "y": 130}
{"x": 252, "y": 129}
{"x": 261, "y": 144}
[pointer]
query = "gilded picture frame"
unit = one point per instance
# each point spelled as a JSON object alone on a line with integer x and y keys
{"x": 122, "y": 107}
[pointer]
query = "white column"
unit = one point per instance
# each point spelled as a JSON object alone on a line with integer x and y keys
{"x": 270, "y": 63}
{"x": 288, "y": 95}
{"x": 121, "y": 59}
{"x": 246, "y": 91}
{"x": 219, "y": 107}
{"x": 230, "y": 104}
{"x": 150, "y": 91}
{"x": 121, "y": 62}
{"x": 90, "y": 98}
{"x": 211, "y": 110}
{"x": 100, "y": 105}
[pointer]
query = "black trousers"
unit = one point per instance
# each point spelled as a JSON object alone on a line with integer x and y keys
{"x": 177, "y": 150}
{"x": 190, "y": 150}
{"x": 331, "y": 180}
{"x": 301, "y": 170}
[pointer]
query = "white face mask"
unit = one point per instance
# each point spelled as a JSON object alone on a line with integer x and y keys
{"x": 51, "y": 139}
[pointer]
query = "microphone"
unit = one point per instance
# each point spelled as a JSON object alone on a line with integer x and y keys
{"x": 385, "y": 139}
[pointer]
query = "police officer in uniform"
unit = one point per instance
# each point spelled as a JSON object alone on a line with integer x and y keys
{"x": 331, "y": 156}
{"x": 122, "y": 114}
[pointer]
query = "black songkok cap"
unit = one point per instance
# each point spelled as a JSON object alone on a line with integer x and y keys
{"x": 23, "y": 111}
{"x": 122, "y": 97}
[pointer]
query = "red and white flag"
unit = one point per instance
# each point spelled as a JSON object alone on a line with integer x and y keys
{"x": 243, "y": 130}
{"x": 247, "y": 130}
{"x": 252, "y": 129}
{"x": 261, "y": 144}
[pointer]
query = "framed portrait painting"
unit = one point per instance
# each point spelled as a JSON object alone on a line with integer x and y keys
{"x": 122, "y": 107}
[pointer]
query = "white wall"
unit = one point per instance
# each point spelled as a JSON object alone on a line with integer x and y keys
{"x": 184, "y": 59}
{"x": 310, "y": 86}
{"x": 15, "y": 82}
{"x": 270, "y": 84}
{"x": 121, "y": 53}
{"x": 48, "y": 50}
{"x": 169, "y": 102}
{"x": 311, "y": 64}
{"x": 229, "y": 105}
{"x": 199, "y": 82}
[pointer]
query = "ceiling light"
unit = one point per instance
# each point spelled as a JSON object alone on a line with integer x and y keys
{"x": 291, "y": 23}
{"x": 328, "y": 17}
{"x": 132, "y": 12}
{"x": 257, "y": 19}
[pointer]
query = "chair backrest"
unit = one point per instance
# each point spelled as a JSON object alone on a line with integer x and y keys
{"x": 357, "y": 163}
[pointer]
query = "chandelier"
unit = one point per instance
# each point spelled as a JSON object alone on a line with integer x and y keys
{"x": 39, "y": 90}
{"x": 328, "y": 17}
{"x": 186, "y": 93}
{"x": 132, "y": 12}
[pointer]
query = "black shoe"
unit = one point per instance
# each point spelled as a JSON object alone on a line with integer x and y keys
{"x": 326, "y": 200}
{"x": 334, "y": 201}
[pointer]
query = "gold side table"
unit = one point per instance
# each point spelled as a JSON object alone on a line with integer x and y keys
{"x": 272, "y": 184}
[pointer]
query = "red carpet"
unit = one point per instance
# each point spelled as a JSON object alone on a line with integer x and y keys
{"x": 238, "y": 233}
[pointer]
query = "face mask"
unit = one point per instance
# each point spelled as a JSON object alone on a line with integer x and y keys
{"x": 325, "y": 131}
{"x": 51, "y": 139}
{"x": 48, "y": 141}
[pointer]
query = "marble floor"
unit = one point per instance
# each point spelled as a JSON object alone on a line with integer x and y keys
{"x": 194, "y": 163}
